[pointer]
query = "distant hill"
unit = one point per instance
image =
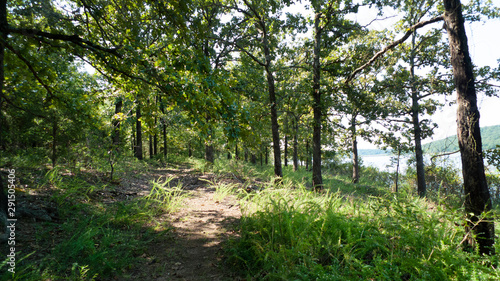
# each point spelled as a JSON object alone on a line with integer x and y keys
{"x": 490, "y": 137}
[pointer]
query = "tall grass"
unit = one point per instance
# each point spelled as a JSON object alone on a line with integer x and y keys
{"x": 348, "y": 232}
{"x": 299, "y": 235}
{"x": 165, "y": 198}
{"x": 93, "y": 240}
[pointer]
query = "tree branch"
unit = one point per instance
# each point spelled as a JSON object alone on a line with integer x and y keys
{"x": 21, "y": 108}
{"x": 393, "y": 45}
{"x": 241, "y": 49}
{"x": 426, "y": 95}
{"x": 30, "y": 67}
{"x": 443, "y": 154}
{"x": 75, "y": 39}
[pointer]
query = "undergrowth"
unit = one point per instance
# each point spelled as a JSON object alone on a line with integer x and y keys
{"x": 350, "y": 232}
{"x": 287, "y": 232}
{"x": 163, "y": 198}
{"x": 299, "y": 235}
{"x": 95, "y": 237}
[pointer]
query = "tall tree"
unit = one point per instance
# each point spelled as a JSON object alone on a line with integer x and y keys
{"x": 138, "y": 132}
{"x": 330, "y": 27}
{"x": 357, "y": 105}
{"x": 259, "y": 29}
{"x": 414, "y": 94}
{"x": 475, "y": 186}
{"x": 423, "y": 51}
{"x": 317, "y": 179}
{"x": 417, "y": 134}
{"x": 477, "y": 195}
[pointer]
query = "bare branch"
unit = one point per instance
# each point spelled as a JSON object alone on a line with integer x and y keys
{"x": 444, "y": 154}
{"x": 377, "y": 19}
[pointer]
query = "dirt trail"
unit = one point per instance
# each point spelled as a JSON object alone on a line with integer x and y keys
{"x": 199, "y": 229}
{"x": 190, "y": 248}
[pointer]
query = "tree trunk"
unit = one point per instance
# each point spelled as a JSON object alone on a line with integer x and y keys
{"x": 417, "y": 132}
{"x": 477, "y": 196}
{"x": 396, "y": 185}
{"x": 278, "y": 172}
{"x": 155, "y": 136}
{"x": 133, "y": 140}
{"x": 296, "y": 145}
{"x": 138, "y": 132}
{"x": 165, "y": 144}
{"x": 286, "y": 142}
{"x": 3, "y": 38}
{"x": 54, "y": 142}
{"x": 266, "y": 154}
{"x": 155, "y": 144}
{"x": 355, "y": 162}
{"x": 307, "y": 155}
{"x": 164, "y": 127}
{"x": 236, "y": 154}
{"x": 209, "y": 153}
{"x": 150, "y": 142}
{"x": 274, "y": 125}
{"x": 116, "y": 123}
{"x": 419, "y": 155}
{"x": 317, "y": 179}
{"x": 209, "y": 147}
{"x": 286, "y": 151}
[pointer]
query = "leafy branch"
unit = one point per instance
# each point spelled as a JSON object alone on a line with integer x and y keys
{"x": 409, "y": 32}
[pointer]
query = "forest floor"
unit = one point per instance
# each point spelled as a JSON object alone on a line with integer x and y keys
{"x": 191, "y": 248}
{"x": 198, "y": 231}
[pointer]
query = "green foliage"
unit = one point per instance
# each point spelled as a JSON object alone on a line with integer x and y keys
{"x": 95, "y": 240}
{"x": 242, "y": 171}
{"x": 164, "y": 198}
{"x": 295, "y": 234}
{"x": 494, "y": 187}
{"x": 172, "y": 61}
{"x": 493, "y": 176}
{"x": 443, "y": 179}
{"x": 493, "y": 157}
{"x": 222, "y": 189}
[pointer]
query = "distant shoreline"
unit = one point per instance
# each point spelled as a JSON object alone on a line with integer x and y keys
{"x": 490, "y": 138}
